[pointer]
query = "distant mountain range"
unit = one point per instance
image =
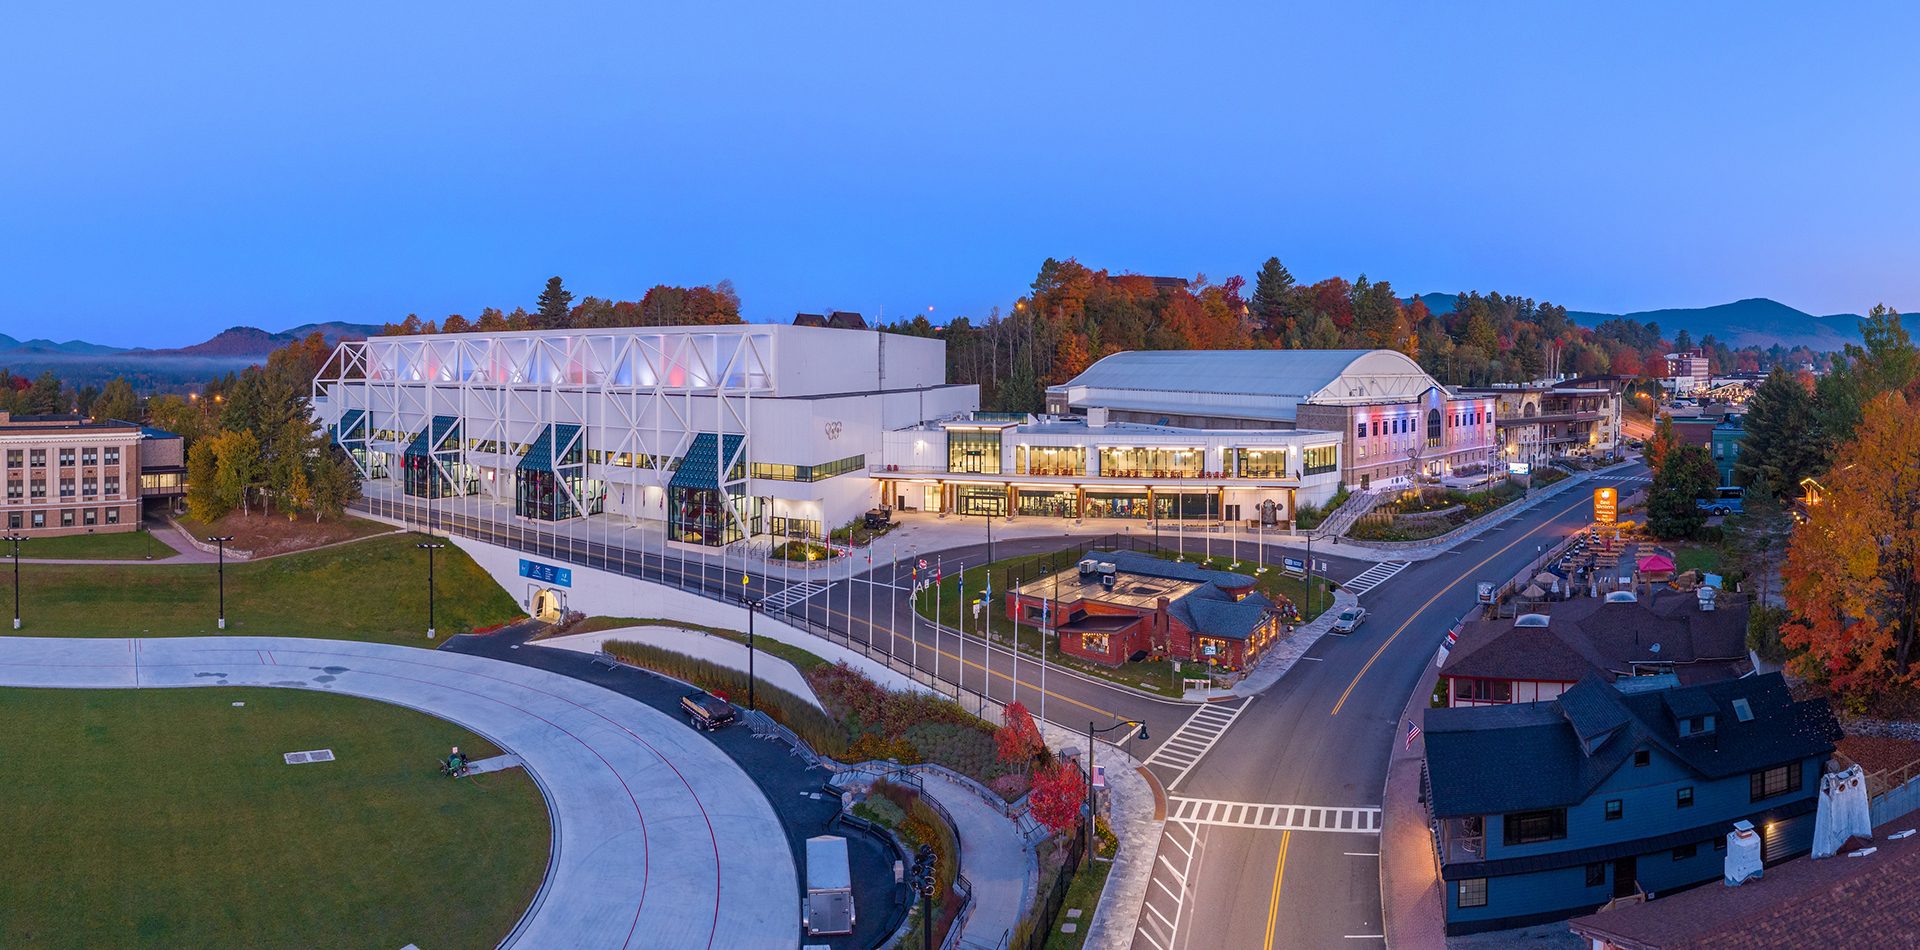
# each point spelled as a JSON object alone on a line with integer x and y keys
{"x": 79, "y": 362}
{"x": 1755, "y": 321}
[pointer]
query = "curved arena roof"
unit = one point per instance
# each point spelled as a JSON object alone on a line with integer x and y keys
{"x": 1274, "y": 379}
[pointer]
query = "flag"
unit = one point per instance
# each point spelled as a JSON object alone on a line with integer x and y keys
{"x": 1453, "y": 640}
{"x": 1413, "y": 732}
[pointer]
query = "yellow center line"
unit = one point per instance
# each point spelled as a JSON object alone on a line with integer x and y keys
{"x": 1279, "y": 874}
{"x": 1441, "y": 593}
{"x": 995, "y": 673}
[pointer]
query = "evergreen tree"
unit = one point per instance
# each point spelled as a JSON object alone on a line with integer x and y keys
{"x": 1682, "y": 342}
{"x": 1782, "y": 444}
{"x": 116, "y": 401}
{"x": 1688, "y": 475}
{"x": 1272, "y": 298}
{"x": 555, "y": 310}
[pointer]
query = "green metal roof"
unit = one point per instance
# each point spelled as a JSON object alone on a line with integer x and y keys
{"x": 434, "y": 436}
{"x": 700, "y": 467}
{"x": 349, "y": 422}
{"x": 553, "y": 439}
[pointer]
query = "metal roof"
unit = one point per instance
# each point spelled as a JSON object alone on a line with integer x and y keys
{"x": 700, "y": 467}
{"x": 1275, "y": 379}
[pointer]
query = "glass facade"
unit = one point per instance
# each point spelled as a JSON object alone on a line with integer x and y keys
{"x": 1261, "y": 463}
{"x": 1320, "y": 460}
{"x": 1150, "y": 462}
{"x": 979, "y": 500}
{"x": 1046, "y": 503}
{"x": 780, "y": 472}
{"x": 1187, "y": 506}
{"x": 1117, "y": 504}
{"x": 699, "y": 515}
{"x": 1050, "y": 460}
{"x": 973, "y": 450}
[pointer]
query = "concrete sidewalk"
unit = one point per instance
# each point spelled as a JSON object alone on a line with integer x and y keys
{"x": 1412, "y": 896}
{"x": 994, "y": 856}
{"x": 659, "y": 839}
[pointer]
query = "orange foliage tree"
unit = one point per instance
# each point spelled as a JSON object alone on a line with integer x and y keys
{"x": 1018, "y": 739}
{"x": 1853, "y": 572}
{"x": 1058, "y": 791}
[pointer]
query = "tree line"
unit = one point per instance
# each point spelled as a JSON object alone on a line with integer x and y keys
{"x": 1074, "y": 315}
{"x": 661, "y": 306}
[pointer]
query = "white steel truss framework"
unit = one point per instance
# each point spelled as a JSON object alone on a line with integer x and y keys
{"x": 640, "y": 396}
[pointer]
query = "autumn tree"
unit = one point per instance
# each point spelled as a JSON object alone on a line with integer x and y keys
{"x": 116, "y": 401}
{"x": 1664, "y": 441}
{"x": 204, "y": 500}
{"x": 1686, "y": 475}
{"x": 1853, "y": 572}
{"x": 1058, "y": 792}
{"x": 238, "y": 468}
{"x": 1018, "y": 739}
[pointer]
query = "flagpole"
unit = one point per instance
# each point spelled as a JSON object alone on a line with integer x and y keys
{"x": 939, "y": 565}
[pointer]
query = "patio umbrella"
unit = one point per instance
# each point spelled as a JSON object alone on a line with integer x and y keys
{"x": 1533, "y": 592}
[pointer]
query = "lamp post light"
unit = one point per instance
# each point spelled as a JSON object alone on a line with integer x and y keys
{"x": 753, "y": 607}
{"x": 16, "y": 539}
{"x": 1141, "y": 731}
{"x": 220, "y": 542}
{"x": 430, "y": 547}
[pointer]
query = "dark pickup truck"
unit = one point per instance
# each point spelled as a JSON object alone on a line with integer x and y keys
{"x": 706, "y": 711}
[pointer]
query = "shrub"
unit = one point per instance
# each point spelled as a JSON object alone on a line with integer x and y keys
{"x": 809, "y": 723}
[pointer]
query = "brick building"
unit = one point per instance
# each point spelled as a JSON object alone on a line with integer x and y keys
{"x": 71, "y": 475}
{"x": 1115, "y": 605}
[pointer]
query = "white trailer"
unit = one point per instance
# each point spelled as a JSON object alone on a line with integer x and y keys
{"x": 828, "y": 907}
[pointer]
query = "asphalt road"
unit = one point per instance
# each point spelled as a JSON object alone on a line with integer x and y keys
{"x": 1321, "y": 737}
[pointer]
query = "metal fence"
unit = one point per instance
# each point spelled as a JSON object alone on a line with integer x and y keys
{"x": 1038, "y": 926}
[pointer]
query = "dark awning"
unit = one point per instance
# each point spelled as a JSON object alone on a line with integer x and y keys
{"x": 434, "y": 436}
{"x": 554, "y": 440}
{"x": 700, "y": 467}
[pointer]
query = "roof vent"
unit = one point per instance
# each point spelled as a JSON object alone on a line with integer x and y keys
{"x": 1531, "y": 620}
{"x": 1655, "y": 649}
{"x": 1621, "y": 597}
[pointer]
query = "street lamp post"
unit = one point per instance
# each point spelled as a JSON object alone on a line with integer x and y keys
{"x": 430, "y": 547}
{"x": 1091, "y": 732}
{"x": 753, "y": 607}
{"x": 16, "y": 539}
{"x": 221, "y": 543}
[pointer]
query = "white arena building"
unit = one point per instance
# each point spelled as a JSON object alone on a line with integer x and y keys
{"x": 720, "y": 432}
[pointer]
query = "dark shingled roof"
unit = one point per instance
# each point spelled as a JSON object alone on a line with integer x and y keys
{"x": 1134, "y": 562}
{"x": 1836, "y": 902}
{"x": 1586, "y": 635}
{"x": 1567, "y": 747}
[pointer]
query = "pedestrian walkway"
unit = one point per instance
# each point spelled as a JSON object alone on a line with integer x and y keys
{"x": 659, "y": 839}
{"x": 1207, "y": 811}
{"x": 1412, "y": 897}
{"x": 994, "y": 856}
{"x": 1374, "y": 576}
{"x": 1189, "y": 743}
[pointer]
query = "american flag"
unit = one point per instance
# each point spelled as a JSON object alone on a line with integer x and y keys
{"x": 1413, "y": 732}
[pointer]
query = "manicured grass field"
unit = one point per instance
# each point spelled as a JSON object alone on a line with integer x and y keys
{"x": 167, "y": 818}
{"x": 117, "y": 546}
{"x": 374, "y": 589}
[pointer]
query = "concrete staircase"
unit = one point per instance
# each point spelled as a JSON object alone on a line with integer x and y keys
{"x": 1357, "y": 505}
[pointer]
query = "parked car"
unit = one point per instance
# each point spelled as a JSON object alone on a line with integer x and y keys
{"x": 706, "y": 711}
{"x": 1349, "y": 620}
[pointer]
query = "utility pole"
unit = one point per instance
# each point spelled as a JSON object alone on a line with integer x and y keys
{"x": 430, "y": 547}
{"x": 221, "y": 543}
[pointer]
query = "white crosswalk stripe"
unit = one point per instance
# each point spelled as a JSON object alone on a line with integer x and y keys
{"x": 792, "y": 594}
{"x": 1333, "y": 818}
{"x": 1184, "y": 749}
{"x": 1165, "y": 904}
{"x": 1374, "y": 576}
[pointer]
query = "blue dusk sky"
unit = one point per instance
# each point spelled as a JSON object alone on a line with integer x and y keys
{"x": 168, "y": 170}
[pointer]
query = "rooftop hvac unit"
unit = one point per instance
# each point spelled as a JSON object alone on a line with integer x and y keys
{"x": 1107, "y": 568}
{"x": 1087, "y": 566}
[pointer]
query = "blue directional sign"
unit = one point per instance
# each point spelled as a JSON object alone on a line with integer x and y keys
{"x": 1294, "y": 565}
{"x": 546, "y": 573}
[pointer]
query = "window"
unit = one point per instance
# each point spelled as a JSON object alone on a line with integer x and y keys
{"x": 1360, "y": 431}
{"x": 66, "y": 488}
{"x": 89, "y": 456}
{"x": 14, "y": 457}
{"x": 1685, "y": 851}
{"x": 13, "y": 520}
{"x": 1483, "y": 690}
{"x": 775, "y": 471}
{"x": 113, "y": 516}
{"x": 1533, "y": 827}
{"x": 974, "y": 450}
{"x": 1597, "y": 874}
{"x": 113, "y": 484}
{"x": 66, "y": 517}
{"x": 39, "y": 458}
{"x": 1094, "y": 643}
{"x": 1742, "y": 710}
{"x": 1641, "y": 757}
{"x": 15, "y": 490}
{"x": 39, "y": 519}
{"x": 66, "y": 456}
{"x": 39, "y": 489}
{"x": 1683, "y": 797}
{"x": 113, "y": 456}
{"x": 1433, "y": 428}
{"x": 1778, "y": 780}
{"x": 1615, "y": 809}
{"x": 1320, "y": 459}
{"x": 89, "y": 487}
{"x": 90, "y": 516}
{"x": 1473, "y": 892}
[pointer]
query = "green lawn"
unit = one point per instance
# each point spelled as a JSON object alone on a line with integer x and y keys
{"x": 1692, "y": 557}
{"x": 374, "y": 589}
{"x": 1083, "y": 893}
{"x": 118, "y": 546}
{"x": 1156, "y": 676}
{"x": 167, "y": 818}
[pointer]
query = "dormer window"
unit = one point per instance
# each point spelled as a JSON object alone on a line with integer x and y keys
{"x": 1696, "y": 725}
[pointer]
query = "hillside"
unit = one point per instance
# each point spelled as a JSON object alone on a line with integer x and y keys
{"x": 1755, "y": 321}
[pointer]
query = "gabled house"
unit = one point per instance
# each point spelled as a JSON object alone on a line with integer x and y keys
{"x": 1115, "y": 605}
{"x": 1537, "y": 656}
{"x": 1543, "y": 811}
